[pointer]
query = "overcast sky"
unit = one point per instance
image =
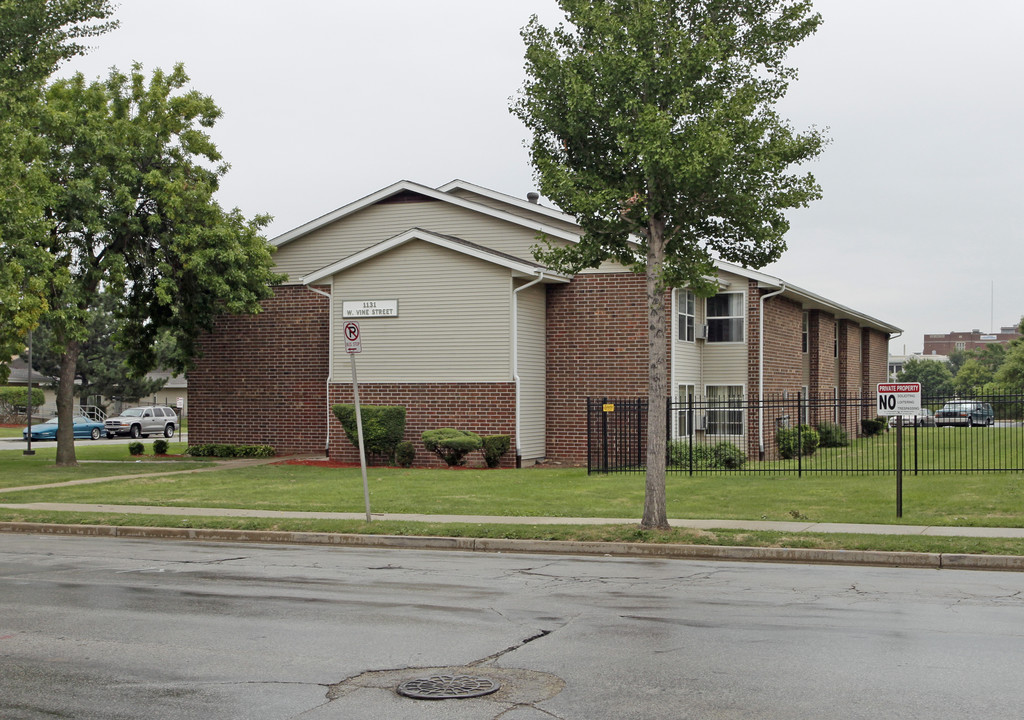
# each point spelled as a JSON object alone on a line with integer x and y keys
{"x": 327, "y": 101}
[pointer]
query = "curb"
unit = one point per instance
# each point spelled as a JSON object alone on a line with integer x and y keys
{"x": 875, "y": 558}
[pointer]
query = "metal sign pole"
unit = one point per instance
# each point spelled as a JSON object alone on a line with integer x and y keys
{"x": 353, "y": 345}
{"x": 28, "y": 450}
{"x": 359, "y": 432}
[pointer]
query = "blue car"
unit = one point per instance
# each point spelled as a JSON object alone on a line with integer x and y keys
{"x": 84, "y": 428}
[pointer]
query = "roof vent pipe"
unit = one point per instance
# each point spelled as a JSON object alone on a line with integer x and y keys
{"x": 533, "y": 197}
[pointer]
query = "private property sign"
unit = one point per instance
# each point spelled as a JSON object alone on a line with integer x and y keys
{"x": 899, "y": 398}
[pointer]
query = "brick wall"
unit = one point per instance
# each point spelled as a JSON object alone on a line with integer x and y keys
{"x": 783, "y": 358}
{"x": 597, "y": 346}
{"x": 483, "y": 408}
{"x": 874, "y": 360}
{"x": 261, "y": 379}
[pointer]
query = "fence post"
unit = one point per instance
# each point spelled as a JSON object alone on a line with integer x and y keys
{"x": 604, "y": 436}
{"x": 799, "y": 440}
{"x": 899, "y": 466}
{"x": 690, "y": 422}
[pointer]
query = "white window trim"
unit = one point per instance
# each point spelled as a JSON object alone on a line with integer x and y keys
{"x": 742, "y": 316}
{"x": 681, "y": 304}
{"x": 741, "y": 410}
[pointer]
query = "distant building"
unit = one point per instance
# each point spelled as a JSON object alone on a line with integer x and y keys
{"x": 973, "y": 340}
{"x": 896, "y": 362}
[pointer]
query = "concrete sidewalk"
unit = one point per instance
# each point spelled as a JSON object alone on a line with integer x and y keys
{"x": 701, "y": 524}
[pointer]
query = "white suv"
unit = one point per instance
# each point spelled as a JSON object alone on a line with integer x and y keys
{"x": 142, "y": 422}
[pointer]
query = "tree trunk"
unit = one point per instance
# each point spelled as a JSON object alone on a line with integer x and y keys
{"x": 655, "y": 512}
{"x": 66, "y": 406}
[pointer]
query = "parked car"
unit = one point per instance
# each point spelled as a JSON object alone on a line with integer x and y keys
{"x": 84, "y": 428}
{"x": 925, "y": 418}
{"x": 143, "y": 422}
{"x": 965, "y": 412}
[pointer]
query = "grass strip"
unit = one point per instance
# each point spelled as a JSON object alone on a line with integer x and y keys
{"x": 592, "y": 533}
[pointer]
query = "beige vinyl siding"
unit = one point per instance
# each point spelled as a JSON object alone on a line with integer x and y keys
{"x": 379, "y": 222}
{"x": 726, "y": 364}
{"x": 454, "y": 314}
{"x": 532, "y": 372}
{"x": 686, "y": 356}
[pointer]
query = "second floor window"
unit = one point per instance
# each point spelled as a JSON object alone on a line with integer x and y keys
{"x": 687, "y": 315}
{"x": 725, "y": 317}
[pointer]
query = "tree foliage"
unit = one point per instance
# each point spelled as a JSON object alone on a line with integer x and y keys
{"x": 35, "y": 37}
{"x": 934, "y": 376}
{"x": 135, "y": 217}
{"x": 653, "y": 122}
{"x": 101, "y": 369}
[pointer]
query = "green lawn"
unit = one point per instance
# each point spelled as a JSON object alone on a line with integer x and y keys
{"x": 973, "y": 499}
{"x": 17, "y": 469}
{"x": 982, "y": 499}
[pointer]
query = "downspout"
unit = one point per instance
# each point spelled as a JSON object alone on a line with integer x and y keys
{"x": 330, "y": 364}
{"x": 515, "y": 356}
{"x": 760, "y": 373}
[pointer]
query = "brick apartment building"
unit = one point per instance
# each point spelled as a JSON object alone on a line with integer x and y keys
{"x": 935, "y": 344}
{"x": 462, "y": 327}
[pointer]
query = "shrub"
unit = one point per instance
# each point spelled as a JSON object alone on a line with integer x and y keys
{"x": 727, "y": 456}
{"x": 405, "y": 453}
{"x": 227, "y": 451}
{"x": 160, "y": 447}
{"x": 722, "y": 456}
{"x": 873, "y": 426}
{"x": 135, "y": 448}
{"x": 833, "y": 435}
{"x": 383, "y": 426}
{"x": 798, "y": 440}
{"x": 451, "y": 445}
{"x": 494, "y": 446}
{"x": 12, "y": 399}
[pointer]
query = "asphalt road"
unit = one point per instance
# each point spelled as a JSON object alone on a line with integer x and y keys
{"x": 114, "y": 628}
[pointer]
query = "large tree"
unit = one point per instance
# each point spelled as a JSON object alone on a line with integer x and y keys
{"x": 654, "y": 124}
{"x": 35, "y": 37}
{"x": 135, "y": 217}
{"x": 101, "y": 369}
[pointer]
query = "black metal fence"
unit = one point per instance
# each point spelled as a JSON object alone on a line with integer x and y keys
{"x": 797, "y": 434}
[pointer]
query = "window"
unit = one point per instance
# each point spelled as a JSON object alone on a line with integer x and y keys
{"x": 961, "y": 345}
{"x": 687, "y": 313}
{"x": 803, "y": 338}
{"x": 805, "y": 407}
{"x": 725, "y": 317}
{"x": 725, "y": 410}
{"x": 685, "y": 415}
{"x": 835, "y": 339}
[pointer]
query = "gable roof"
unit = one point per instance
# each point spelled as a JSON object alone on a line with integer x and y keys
{"x": 808, "y": 299}
{"x": 405, "y": 186}
{"x": 525, "y": 268}
{"x": 532, "y": 207}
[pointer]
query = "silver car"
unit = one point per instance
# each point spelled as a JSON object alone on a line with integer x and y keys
{"x": 143, "y": 422}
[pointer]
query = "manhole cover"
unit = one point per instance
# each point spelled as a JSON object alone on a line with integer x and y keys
{"x": 445, "y": 687}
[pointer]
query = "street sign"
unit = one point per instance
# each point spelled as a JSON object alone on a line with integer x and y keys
{"x": 353, "y": 342}
{"x": 899, "y": 398}
{"x": 180, "y": 403}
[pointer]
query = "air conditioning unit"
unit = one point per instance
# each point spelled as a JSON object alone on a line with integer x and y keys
{"x": 701, "y": 332}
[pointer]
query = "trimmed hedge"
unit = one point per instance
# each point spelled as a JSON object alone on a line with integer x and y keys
{"x": 227, "y": 451}
{"x": 494, "y": 446}
{"x": 383, "y": 426}
{"x": 160, "y": 447}
{"x": 452, "y": 445}
{"x": 136, "y": 448}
